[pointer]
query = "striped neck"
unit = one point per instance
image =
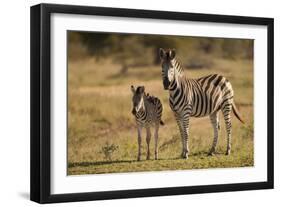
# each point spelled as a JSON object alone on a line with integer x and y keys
{"x": 177, "y": 66}
{"x": 142, "y": 108}
{"x": 142, "y": 113}
{"x": 178, "y": 75}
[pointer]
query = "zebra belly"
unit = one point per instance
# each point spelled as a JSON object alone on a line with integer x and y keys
{"x": 146, "y": 123}
{"x": 150, "y": 120}
{"x": 206, "y": 103}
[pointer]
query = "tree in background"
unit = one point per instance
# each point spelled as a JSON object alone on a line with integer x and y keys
{"x": 132, "y": 50}
{"x": 155, "y": 42}
{"x": 237, "y": 48}
{"x": 126, "y": 49}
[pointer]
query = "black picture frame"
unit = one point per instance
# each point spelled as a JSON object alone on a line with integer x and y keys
{"x": 41, "y": 99}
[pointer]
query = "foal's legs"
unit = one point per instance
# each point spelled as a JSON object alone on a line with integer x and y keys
{"x": 148, "y": 136}
{"x": 139, "y": 143}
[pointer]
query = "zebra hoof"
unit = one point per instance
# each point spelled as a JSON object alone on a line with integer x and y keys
{"x": 227, "y": 152}
{"x": 184, "y": 156}
{"x": 211, "y": 153}
{"x": 138, "y": 159}
{"x": 148, "y": 158}
{"x": 156, "y": 155}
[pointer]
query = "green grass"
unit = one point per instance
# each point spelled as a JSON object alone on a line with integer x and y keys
{"x": 99, "y": 109}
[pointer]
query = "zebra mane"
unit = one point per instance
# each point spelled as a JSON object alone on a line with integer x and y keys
{"x": 150, "y": 98}
{"x": 178, "y": 65}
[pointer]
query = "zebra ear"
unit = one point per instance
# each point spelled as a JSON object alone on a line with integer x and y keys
{"x": 162, "y": 53}
{"x": 133, "y": 89}
{"x": 141, "y": 90}
{"x": 172, "y": 54}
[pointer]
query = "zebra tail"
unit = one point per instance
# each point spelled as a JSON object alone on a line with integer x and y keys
{"x": 162, "y": 123}
{"x": 236, "y": 113}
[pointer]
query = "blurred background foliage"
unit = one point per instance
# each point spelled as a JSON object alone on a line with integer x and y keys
{"x": 137, "y": 50}
{"x": 102, "y": 136}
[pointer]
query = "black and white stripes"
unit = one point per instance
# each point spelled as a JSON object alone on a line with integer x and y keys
{"x": 147, "y": 111}
{"x": 205, "y": 96}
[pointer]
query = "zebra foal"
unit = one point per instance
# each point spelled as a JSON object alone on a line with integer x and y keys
{"x": 205, "y": 96}
{"x": 147, "y": 111}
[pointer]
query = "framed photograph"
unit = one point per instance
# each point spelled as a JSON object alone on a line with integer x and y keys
{"x": 132, "y": 103}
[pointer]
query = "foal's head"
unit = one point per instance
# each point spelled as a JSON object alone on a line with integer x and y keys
{"x": 138, "y": 98}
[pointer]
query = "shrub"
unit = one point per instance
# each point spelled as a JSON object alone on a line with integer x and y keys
{"x": 107, "y": 150}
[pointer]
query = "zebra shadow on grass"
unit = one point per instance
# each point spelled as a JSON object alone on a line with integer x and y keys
{"x": 199, "y": 154}
{"x": 97, "y": 163}
{"x": 174, "y": 140}
{"x": 100, "y": 163}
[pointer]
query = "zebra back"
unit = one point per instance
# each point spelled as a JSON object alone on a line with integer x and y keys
{"x": 151, "y": 113}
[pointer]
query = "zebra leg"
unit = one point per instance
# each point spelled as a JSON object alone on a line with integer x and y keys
{"x": 181, "y": 134}
{"x": 184, "y": 130}
{"x": 148, "y": 136}
{"x": 215, "y": 123}
{"x": 139, "y": 143}
{"x": 185, "y": 138}
{"x": 226, "y": 113}
{"x": 156, "y": 141}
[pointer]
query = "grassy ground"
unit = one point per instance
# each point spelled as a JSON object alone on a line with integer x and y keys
{"x": 99, "y": 117}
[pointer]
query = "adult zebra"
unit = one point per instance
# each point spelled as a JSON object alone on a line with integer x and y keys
{"x": 197, "y": 98}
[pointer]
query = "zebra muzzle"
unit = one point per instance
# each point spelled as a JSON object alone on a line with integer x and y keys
{"x": 134, "y": 111}
{"x": 166, "y": 83}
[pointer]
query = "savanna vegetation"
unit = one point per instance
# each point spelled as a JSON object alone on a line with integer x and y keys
{"x": 102, "y": 136}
